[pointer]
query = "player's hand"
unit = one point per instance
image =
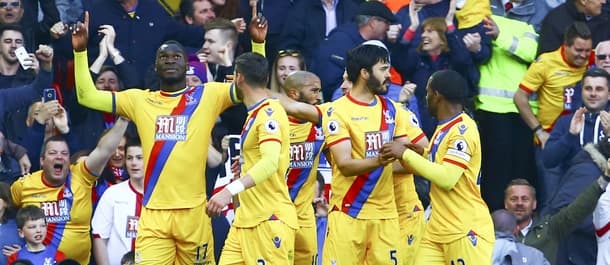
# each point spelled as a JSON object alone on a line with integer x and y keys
{"x": 218, "y": 202}
{"x": 8, "y": 250}
{"x": 416, "y": 148}
{"x": 224, "y": 143}
{"x": 393, "y": 150}
{"x": 80, "y": 34}
{"x": 235, "y": 168}
{"x": 25, "y": 165}
{"x": 258, "y": 28}
{"x": 542, "y": 136}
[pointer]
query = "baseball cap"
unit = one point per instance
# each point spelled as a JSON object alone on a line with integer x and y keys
{"x": 376, "y": 9}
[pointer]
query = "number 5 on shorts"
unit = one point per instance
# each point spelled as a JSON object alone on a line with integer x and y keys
{"x": 393, "y": 256}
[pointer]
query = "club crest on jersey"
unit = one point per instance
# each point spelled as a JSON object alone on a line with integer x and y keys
{"x": 272, "y": 126}
{"x": 190, "y": 99}
{"x": 333, "y": 127}
{"x": 374, "y": 141}
{"x": 171, "y": 128}
{"x": 48, "y": 261}
{"x": 329, "y": 111}
{"x": 67, "y": 194}
{"x": 302, "y": 155}
{"x": 277, "y": 241}
{"x": 462, "y": 129}
{"x": 388, "y": 117}
{"x": 56, "y": 211}
{"x": 472, "y": 236}
{"x": 414, "y": 120}
{"x": 269, "y": 111}
{"x": 131, "y": 228}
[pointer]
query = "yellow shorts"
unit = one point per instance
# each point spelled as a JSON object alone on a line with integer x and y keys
{"x": 306, "y": 246}
{"x": 177, "y": 236}
{"x": 352, "y": 241}
{"x": 268, "y": 243}
{"x": 464, "y": 251}
{"x": 412, "y": 227}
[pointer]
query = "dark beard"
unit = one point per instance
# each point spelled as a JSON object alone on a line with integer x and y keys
{"x": 375, "y": 86}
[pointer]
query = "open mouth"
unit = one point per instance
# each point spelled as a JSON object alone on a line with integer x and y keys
{"x": 58, "y": 168}
{"x": 38, "y": 237}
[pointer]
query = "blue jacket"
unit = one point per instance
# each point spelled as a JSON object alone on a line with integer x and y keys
{"x": 330, "y": 57}
{"x": 306, "y": 28}
{"x": 530, "y": 11}
{"x": 580, "y": 246}
{"x": 138, "y": 38}
{"x": 562, "y": 146}
{"x": 9, "y": 236}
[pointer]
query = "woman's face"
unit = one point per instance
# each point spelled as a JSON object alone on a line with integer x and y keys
{"x": 286, "y": 66}
{"x": 431, "y": 40}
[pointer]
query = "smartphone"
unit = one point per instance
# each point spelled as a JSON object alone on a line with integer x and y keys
{"x": 22, "y": 56}
{"x": 49, "y": 94}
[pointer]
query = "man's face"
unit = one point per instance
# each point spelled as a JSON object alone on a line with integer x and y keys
{"x": 310, "y": 92}
{"x": 346, "y": 86}
{"x": 107, "y": 81}
{"x": 602, "y": 57}
{"x": 118, "y": 158}
{"x": 10, "y": 41}
{"x": 431, "y": 99}
{"x": 578, "y": 53}
{"x": 10, "y": 11}
{"x": 595, "y": 93}
{"x": 379, "y": 78}
{"x": 171, "y": 63}
{"x": 215, "y": 46}
{"x": 55, "y": 162}
{"x": 520, "y": 202}
{"x": 134, "y": 162}
{"x": 203, "y": 12}
{"x": 380, "y": 26}
{"x": 593, "y": 7}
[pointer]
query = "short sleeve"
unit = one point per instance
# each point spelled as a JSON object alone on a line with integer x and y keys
{"x": 534, "y": 77}
{"x": 101, "y": 223}
{"x": 335, "y": 128}
{"x": 459, "y": 149}
{"x": 269, "y": 122}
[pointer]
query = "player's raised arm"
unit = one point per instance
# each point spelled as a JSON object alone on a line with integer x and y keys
{"x": 299, "y": 110}
{"x": 106, "y": 147}
{"x": 86, "y": 92}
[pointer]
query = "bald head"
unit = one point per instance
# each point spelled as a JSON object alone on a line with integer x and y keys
{"x": 303, "y": 86}
{"x": 504, "y": 221}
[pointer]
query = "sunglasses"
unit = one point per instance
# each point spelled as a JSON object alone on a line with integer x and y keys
{"x": 12, "y": 4}
{"x": 293, "y": 53}
{"x": 602, "y": 56}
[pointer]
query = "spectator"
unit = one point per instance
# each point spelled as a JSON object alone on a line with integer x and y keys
{"x": 196, "y": 12}
{"x": 115, "y": 221}
{"x": 507, "y": 251}
{"x": 65, "y": 191}
{"x": 25, "y": 13}
{"x": 286, "y": 62}
{"x": 440, "y": 49}
{"x": 554, "y": 78}
{"x": 372, "y": 21}
{"x": 113, "y": 173}
{"x": 311, "y": 22}
{"x": 602, "y": 55}
{"x": 506, "y": 140}
{"x": 543, "y": 232}
{"x": 32, "y": 227}
{"x": 531, "y": 12}
{"x": 560, "y": 18}
{"x": 9, "y": 238}
{"x": 128, "y": 258}
{"x": 14, "y": 161}
{"x": 141, "y": 26}
{"x": 11, "y": 72}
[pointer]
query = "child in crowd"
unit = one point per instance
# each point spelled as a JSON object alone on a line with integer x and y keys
{"x": 32, "y": 227}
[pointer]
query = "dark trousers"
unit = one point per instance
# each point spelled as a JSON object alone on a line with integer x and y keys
{"x": 507, "y": 154}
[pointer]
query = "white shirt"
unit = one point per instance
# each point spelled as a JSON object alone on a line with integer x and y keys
{"x": 526, "y": 229}
{"x": 331, "y": 15}
{"x": 116, "y": 219}
{"x": 601, "y": 218}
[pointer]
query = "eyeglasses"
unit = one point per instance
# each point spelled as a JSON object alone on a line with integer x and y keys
{"x": 12, "y": 4}
{"x": 602, "y": 56}
{"x": 293, "y": 53}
